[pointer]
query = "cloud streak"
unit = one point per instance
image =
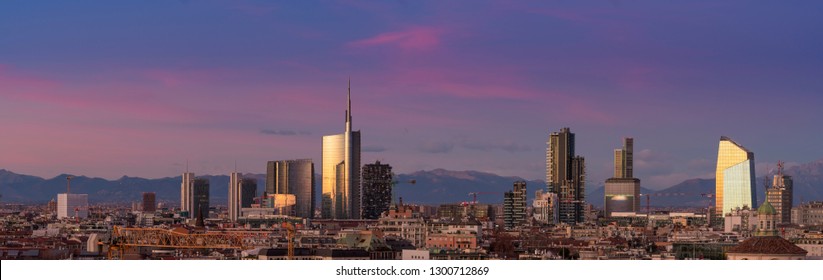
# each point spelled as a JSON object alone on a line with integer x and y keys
{"x": 284, "y": 132}
{"x": 416, "y": 38}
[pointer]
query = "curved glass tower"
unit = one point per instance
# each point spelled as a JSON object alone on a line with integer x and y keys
{"x": 341, "y": 197}
{"x": 734, "y": 181}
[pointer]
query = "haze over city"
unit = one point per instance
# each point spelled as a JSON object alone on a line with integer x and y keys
{"x": 104, "y": 89}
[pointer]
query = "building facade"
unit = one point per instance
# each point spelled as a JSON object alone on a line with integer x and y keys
{"x": 341, "y": 196}
{"x": 200, "y": 198}
{"x": 293, "y": 177}
{"x": 234, "y": 196}
{"x": 808, "y": 214}
{"x": 186, "y": 193}
{"x": 565, "y": 175}
{"x": 72, "y": 205}
{"x": 545, "y": 207}
{"x": 780, "y": 195}
{"x": 622, "y": 192}
{"x": 514, "y": 205}
{"x": 149, "y": 202}
{"x": 377, "y": 189}
{"x": 735, "y": 184}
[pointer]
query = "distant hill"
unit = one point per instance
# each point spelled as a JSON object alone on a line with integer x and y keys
{"x": 436, "y": 186}
{"x": 443, "y": 186}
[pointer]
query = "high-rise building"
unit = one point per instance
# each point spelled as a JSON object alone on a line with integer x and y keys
{"x": 622, "y": 192}
{"x": 234, "y": 196}
{"x": 780, "y": 195}
{"x": 341, "y": 197}
{"x": 200, "y": 199}
{"x": 624, "y": 160}
{"x": 514, "y": 205}
{"x": 377, "y": 188}
{"x": 248, "y": 191}
{"x": 72, "y": 205}
{"x": 293, "y": 177}
{"x": 149, "y": 202}
{"x": 565, "y": 176}
{"x": 734, "y": 177}
{"x": 186, "y": 193}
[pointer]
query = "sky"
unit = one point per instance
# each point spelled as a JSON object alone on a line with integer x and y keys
{"x": 145, "y": 88}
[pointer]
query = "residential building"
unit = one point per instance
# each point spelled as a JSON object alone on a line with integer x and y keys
{"x": 377, "y": 189}
{"x": 565, "y": 175}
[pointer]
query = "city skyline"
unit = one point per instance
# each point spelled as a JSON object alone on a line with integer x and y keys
{"x": 102, "y": 97}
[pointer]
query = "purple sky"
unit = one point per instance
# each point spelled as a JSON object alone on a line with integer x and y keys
{"x": 107, "y": 90}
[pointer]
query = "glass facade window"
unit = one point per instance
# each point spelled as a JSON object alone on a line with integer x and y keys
{"x": 734, "y": 177}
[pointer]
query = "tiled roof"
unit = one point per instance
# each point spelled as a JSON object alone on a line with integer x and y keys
{"x": 767, "y": 245}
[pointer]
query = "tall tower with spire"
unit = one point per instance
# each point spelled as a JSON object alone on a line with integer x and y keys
{"x": 341, "y": 196}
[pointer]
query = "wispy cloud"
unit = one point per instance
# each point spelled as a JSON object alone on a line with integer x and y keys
{"x": 373, "y": 149}
{"x": 284, "y": 132}
{"x": 417, "y": 38}
{"x": 435, "y": 147}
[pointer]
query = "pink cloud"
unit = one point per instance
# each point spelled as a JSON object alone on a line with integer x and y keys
{"x": 418, "y": 38}
{"x": 12, "y": 78}
{"x": 175, "y": 77}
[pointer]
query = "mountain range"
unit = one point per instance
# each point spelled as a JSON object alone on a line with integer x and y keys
{"x": 436, "y": 186}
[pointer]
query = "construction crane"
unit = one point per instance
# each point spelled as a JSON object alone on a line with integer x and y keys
{"x": 290, "y": 231}
{"x": 124, "y": 239}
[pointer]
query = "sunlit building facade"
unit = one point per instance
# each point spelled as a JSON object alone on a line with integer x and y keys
{"x": 293, "y": 177}
{"x": 341, "y": 197}
{"x": 622, "y": 192}
{"x": 186, "y": 193}
{"x": 735, "y": 183}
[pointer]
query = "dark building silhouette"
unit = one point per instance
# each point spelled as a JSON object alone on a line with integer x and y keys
{"x": 200, "y": 199}
{"x": 565, "y": 176}
{"x": 377, "y": 188}
{"x": 149, "y": 202}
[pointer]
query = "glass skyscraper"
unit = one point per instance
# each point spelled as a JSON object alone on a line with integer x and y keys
{"x": 341, "y": 197}
{"x": 735, "y": 185}
{"x": 293, "y": 177}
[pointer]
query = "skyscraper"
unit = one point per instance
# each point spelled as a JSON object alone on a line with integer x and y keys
{"x": 734, "y": 177}
{"x": 780, "y": 195}
{"x": 624, "y": 160}
{"x": 186, "y": 193}
{"x": 234, "y": 196}
{"x": 565, "y": 175}
{"x": 200, "y": 198}
{"x": 341, "y": 197}
{"x": 377, "y": 184}
{"x": 149, "y": 202}
{"x": 293, "y": 177}
{"x": 622, "y": 192}
{"x": 514, "y": 205}
{"x": 248, "y": 191}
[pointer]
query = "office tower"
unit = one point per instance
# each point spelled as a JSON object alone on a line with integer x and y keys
{"x": 780, "y": 195}
{"x": 622, "y": 192}
{"x": 624, "y": 160}
{"x": 149, "y": 202}
{"x": 248, "y": 191}
{"x": 186, "y": 193}
{"x": 72, "y": 205}
{"x": 341, "y": 197}
{"x": 734, "y": 177}
{"x": 234, "y": 196}
{"x": 200, "y": 199}
{"x": 377, "y": 189}
{"x": 565, "y": 175}
{"x": 293, "y": 177}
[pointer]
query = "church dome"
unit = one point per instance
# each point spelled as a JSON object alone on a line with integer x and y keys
{"x": 766, "y": 209}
